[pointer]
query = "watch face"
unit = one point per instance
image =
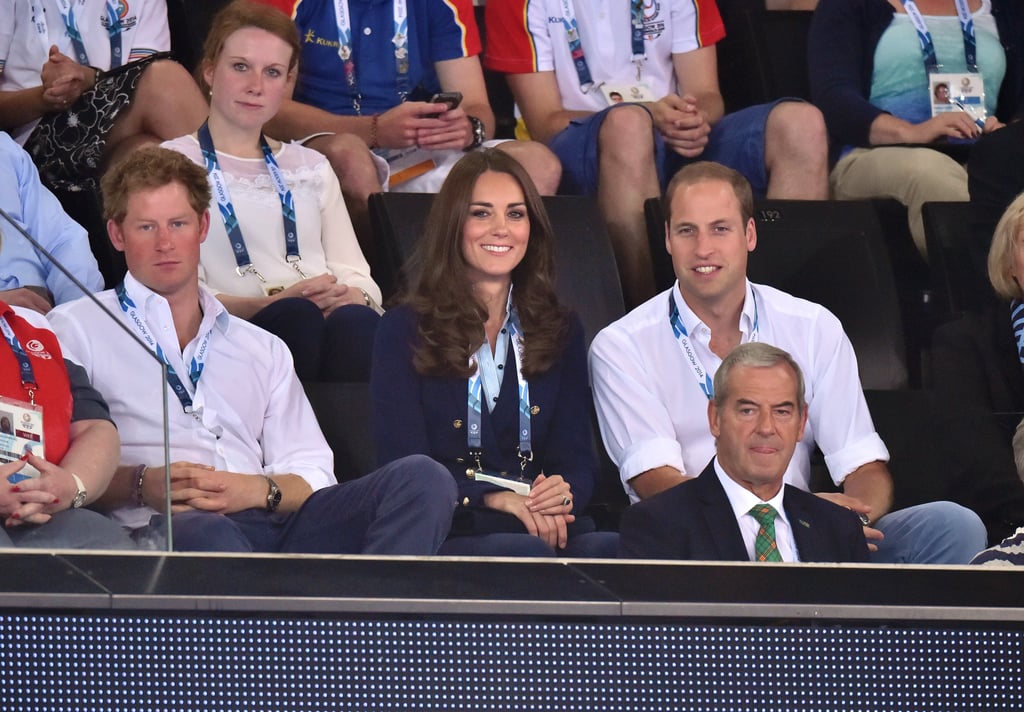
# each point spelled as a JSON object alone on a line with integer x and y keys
{"x": 273, "y": 496}
{"x": 80, "y": 494}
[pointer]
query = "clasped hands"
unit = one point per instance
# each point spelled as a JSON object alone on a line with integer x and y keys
{"x": 325, "y": 291}
{"x": 544, "y": 512}
{"x": 64, "y": 80}
{"x": 34, "y": 500}
{"x": 684, "y": 127}
{"x": 195, "y": 486}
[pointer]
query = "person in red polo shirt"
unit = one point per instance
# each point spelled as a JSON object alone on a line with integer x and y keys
{"x": 62, "y": 447}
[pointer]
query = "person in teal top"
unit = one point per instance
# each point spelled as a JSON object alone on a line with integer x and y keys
{"x": 873, "y": 82}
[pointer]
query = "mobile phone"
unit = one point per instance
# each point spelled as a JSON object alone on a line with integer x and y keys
{"x": 449, "y": 98}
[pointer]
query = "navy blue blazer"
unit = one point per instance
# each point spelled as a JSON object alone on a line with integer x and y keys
{"x": 414, "y": 414}
{"x": 695, "y": 521}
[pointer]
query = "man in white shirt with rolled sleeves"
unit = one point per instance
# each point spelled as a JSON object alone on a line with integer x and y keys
{"x": 652, "y": 375}
{"x": 250, "y": 469}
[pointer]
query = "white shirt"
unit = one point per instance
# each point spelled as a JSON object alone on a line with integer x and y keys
{"x": 742, "y": 501}
{"x": 652, "y": 412}
{"x": 251, "y": 414}
{"x": 327, "y": 242}
{"x": 670, "y": 27}
{"x": 24, "y": 49}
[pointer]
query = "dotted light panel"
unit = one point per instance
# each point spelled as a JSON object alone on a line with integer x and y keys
{"x": 171, "y": 663}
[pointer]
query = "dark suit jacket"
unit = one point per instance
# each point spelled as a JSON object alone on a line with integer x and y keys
{"x": 414, "y": 414}
{"x": 694, "y": 520}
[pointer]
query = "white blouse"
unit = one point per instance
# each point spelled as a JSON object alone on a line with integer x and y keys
{"x": 327, "y": 241}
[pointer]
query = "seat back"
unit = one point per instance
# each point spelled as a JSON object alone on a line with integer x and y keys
{"x": 189, "y": 22}
{"x": 764, "y": 54}
{"x": 956, "y": 286}
{"x": 343, "y": 411}
{"x": 832, "y": 253}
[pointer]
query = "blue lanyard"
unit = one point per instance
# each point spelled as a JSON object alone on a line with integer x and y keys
{"x": 931, "y": 62}
{"x": 704, "y": 379}
{"x": 346, "y": 50}
{"x": 474, "y": 399}
{"x": 636, "y": 13}
{"x": 28, "y": 376}
{"x": 1017, "y": 320}
{"x": 579, "y": 59}
{"x": 114, "y": 29}
{"x": 227, "y": 210}
{"x": 198, "y": 360}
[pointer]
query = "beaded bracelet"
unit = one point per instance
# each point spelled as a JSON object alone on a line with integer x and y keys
{"x": 373, "y": 131}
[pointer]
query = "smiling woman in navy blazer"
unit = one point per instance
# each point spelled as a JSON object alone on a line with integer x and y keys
{"x": 482, "y": 369}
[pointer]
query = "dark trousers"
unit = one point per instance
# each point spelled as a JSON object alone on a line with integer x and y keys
{"x": 337, "y": 348}
{"x": 405, "y": 507}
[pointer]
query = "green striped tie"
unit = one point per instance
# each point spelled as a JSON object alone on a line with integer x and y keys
{"x": 765, "y": 548}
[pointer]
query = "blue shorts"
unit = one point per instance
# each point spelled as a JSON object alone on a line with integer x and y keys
{"x": 737, "y": 141}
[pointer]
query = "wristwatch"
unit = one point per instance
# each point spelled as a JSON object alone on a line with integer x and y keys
{"x": 273, "y": 495}
{"x": 81, "y": 495}
{"x": 478, "y": 133}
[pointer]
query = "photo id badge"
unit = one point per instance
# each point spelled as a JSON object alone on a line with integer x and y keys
{"x": 622, "y": 93}
{"x": 958, "y": 92}
{"x": 21, "y": 433}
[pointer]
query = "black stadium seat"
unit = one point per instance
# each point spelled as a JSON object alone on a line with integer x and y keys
{"x": 956, "y": 285}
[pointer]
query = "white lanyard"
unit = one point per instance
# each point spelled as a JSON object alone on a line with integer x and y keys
{"x": 198, "y": 360}
{"x": 67, "y": 12}
{"x": 704, "y": 379}
{"x": 343, "y": 20}
{"x": 474, "y": 393}
{"x": 924, "y": 36}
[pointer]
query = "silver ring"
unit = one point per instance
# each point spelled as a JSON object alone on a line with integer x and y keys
{"x": 566, "y": 501}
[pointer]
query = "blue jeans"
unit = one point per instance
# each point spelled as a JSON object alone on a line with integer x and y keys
{"x": 405, "y": 507}
{"x": 69, "y": 529}
{"x": 932, "y": 533}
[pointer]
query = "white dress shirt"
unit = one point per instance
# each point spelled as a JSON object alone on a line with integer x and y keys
{"x": 250, "y": 414}
{"x": 742, "y": 501}
{"x": 653, "y": 413}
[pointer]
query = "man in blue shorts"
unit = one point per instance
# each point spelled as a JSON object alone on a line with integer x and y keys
{"x": 570, "y": 63}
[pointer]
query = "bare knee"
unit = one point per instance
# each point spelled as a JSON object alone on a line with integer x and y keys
{"x": 796, "y": 127}
{"x": 167, "y": 83}
{"x": 539, "y": 162}
{"x": 627, "y": 136}
{"x": 167, "y": 102}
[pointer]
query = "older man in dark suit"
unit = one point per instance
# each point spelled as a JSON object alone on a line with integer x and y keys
{"x": 739, "y": 509}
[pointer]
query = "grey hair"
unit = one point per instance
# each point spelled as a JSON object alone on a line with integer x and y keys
{"x": 757, "y": 355}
